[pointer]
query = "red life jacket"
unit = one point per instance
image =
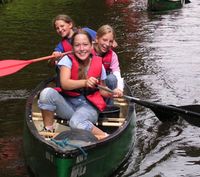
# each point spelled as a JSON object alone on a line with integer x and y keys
{"x": 66, "y": 45}
{"x": 95, "y": 69}
{"x": 107, "y": 58}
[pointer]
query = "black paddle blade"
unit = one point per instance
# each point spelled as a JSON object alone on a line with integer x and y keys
{"x": 193, "y": 120}
{"x": 165, "y": 115}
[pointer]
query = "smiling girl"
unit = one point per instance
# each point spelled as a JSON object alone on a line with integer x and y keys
{"x": 105, "y": 38}
{"x": 77, "y": 100}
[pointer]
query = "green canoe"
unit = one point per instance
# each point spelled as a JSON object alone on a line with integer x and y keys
{"x": 77, "y": 153}
{"x": 162, "y": 5}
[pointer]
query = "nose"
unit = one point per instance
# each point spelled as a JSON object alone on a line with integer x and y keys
{"x": 81, "y": 47}
{"x": 59, "y": 29}
{"x": 107, "y": 43}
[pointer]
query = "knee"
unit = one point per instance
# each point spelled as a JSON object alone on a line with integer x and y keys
{"x": 72, "y": 124}
{"x": 47, "y": 94}
{"x": 111, "y": 81}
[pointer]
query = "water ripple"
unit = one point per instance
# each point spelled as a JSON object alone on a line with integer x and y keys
{"x": 13, "y": 94}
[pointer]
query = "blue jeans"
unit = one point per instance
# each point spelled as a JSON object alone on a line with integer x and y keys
{"x": 111, "y": 82}
{"x": 78, "y": 110}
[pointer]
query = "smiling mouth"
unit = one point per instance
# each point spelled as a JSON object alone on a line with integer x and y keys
{"x": 104, "y": 48}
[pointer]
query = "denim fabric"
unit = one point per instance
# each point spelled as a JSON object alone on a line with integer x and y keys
{"x": 76, "y": 109}
{"x": 111, "y": 82}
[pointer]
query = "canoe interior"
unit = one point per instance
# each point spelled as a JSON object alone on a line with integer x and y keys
{"x": 79, "y": 157}
{"x": 109, "y": 121}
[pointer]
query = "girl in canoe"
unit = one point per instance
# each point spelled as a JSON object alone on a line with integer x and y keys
{"x": 105, "y": 38}
{"x": 64, "y": 26}
{"x": 79, "y": 101}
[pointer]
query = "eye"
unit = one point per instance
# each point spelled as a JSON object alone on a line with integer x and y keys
{"x": 85, "y": 44}
{"x": 76, "y": 45}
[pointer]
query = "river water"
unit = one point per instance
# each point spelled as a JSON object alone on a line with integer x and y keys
{"x": 159, "y": 57}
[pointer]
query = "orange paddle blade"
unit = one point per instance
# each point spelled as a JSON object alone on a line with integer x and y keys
{"x": 8, "y": 67}
{"x": 11, "y": 66}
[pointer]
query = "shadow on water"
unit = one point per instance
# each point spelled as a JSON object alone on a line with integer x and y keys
{"x": 159, "y": 58}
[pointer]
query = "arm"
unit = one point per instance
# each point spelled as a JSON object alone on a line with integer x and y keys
{"x": 70, "y": 84}
{"x": 59, "y": 48}
{"x": 66, "y": 82}
{"x": 116, "y": 71}
{"x": 57, "y": 53}
{"x": 104, "y": 93}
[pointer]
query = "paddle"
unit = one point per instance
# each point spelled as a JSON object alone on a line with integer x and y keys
{"x": 8, "y": 67}
{"x": 194, "y": 120}
{"x": 166, "y": 113}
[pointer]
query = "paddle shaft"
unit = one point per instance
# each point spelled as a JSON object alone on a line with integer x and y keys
{"x": 154, "y": 106}
{"x": 48, "y": 57}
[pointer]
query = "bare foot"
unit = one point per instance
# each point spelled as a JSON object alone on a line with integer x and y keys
{"x": 99, "y": 137}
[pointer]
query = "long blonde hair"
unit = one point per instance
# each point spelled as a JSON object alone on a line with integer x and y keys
{"x": 105, "y": 29}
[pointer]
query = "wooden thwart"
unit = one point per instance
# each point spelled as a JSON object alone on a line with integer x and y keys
{"x": 110, "y": 124}
{"x": 47, "y": 134}
{"x": 37, "y": 114}
{"x": 113, "y": 122}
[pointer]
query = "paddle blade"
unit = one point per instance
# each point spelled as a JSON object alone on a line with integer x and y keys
{"x": 8, "y": 67}
{"x": 165, "y": 115}
{"x": 193, "y": 120}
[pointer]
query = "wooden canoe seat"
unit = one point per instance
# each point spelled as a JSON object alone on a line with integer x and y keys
{"x": 111, "y": 117}
{"x": 47, "y": 134}
{"x": 112, "y": 122}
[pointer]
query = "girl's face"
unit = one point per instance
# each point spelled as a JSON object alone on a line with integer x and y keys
{"x": 105, "y": 42}
{"x": 63, "y": 28}
{"x": 82, "y": 46}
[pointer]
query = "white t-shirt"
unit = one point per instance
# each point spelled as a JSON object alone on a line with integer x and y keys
{"x": 66, "y": 61}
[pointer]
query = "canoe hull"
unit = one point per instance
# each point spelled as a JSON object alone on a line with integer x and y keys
{"x": 102, "y": 159}
{"x": 162, "y": 5}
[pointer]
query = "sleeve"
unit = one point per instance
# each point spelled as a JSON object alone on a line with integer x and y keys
{"x": 103, "y": 74}
{"x": 59, "y": 48}
{"x": 120, "y": 80}
{"x": 116, "y": 71}
{"x": 114, "y": 66}
{"x": 65, "y": 61}
{"x": 91, "y": 32}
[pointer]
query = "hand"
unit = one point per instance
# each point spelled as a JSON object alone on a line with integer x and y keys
{"x": 57, "y": 54}
{"x": 91, "y": 82}
{"x": 54, "y": 61}
{"x": 114, "y": 44}
{"x": 117, "y": 93}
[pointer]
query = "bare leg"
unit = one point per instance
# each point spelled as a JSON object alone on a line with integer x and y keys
{"x": 48, "y": 118}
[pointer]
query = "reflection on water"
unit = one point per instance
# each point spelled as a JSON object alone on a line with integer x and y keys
{"x": 159, "y": 56}
{"x": 11, "y": 157}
